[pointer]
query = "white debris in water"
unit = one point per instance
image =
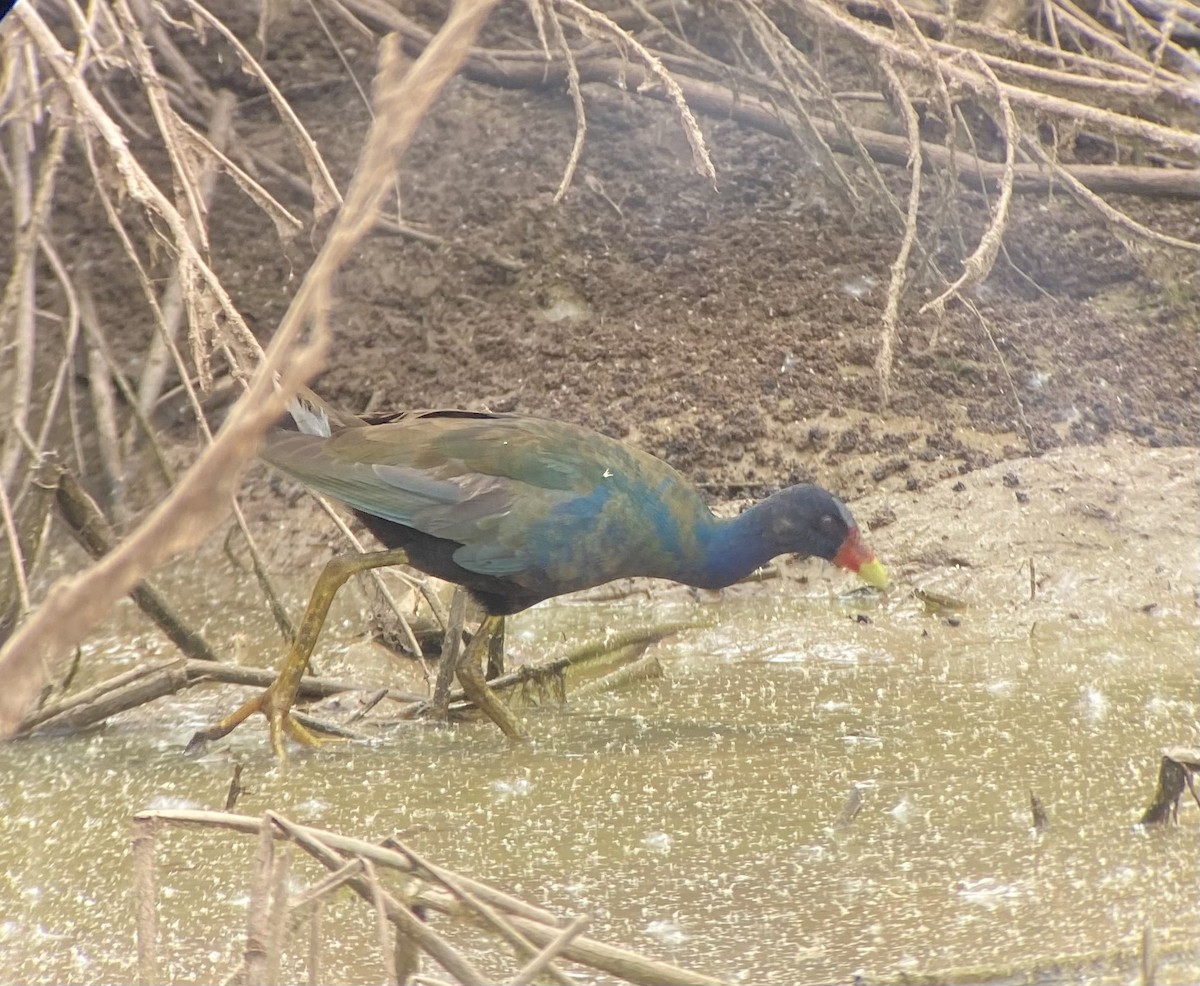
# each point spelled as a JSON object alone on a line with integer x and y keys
{"x": 310, "y": 808}
{"x": 859, "y": 739}
{"x": 169, "y": 802}
{"x": 903, "y": 810}
{"x": 505, "y": 790}
{"x": 667, "y": 932}
{"x": 987, "y": 892}
{"x": 843, "y": 653}
{"x": 657, "y": 841}
{"x": 1093, "y": 704}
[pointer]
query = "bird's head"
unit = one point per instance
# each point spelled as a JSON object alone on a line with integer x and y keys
{"x": 808, "y": 520}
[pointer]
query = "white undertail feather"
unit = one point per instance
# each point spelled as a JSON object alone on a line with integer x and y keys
{"x": 310, "y": 418}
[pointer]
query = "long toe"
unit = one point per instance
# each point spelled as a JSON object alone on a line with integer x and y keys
{"x": 226, "y": 726}
{"x": 284, "y": 724}
{"x": 280, "y": 723}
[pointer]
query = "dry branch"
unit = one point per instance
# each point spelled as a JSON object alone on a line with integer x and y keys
{"x": 398, "y": 912}
{"x": 91, "y": 530}
{"x": 145, "y": 834}
{"x": 537, "y": 925}
{"x": 194, "y": 507}
{"x": 137, "y": 686}
{"x": 527, "y": 71}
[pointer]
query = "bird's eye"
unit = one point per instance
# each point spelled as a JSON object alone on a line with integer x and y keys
{"x": 827, "y": 522}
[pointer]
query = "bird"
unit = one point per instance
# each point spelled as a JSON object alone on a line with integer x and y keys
{"x": 517, "y": 509}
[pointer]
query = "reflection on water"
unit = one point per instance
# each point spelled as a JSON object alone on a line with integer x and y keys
{"x": 700, "y": 819}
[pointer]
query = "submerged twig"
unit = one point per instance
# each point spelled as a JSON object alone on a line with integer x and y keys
{"x": 140, "y": 685}
{"x": 1175, "y": 773}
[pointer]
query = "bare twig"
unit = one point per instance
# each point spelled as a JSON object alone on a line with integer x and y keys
{"x": 277, "y": 921}
{"x": 198, "y": 503}
{"x": 258, "y": 914}
{"x": 145, "y": 833}
{"x": 16, "y": 554}
{"x": 977, "y": 266}
{"x": 526, "y": 70}
{"x": 397, "y": 912}
{"x": 490, "y": 915}
{"x": 560, "y": 39}
{"x": 586, "y": 17}
{"x": 324, "y": 192}
{"x": 91, "y": 530}
{"x": 1114, "y": 215}
{"x": 17, "y": 378}
{"x": 540, "y": 963}
{"x": 538, "y": 925}
{"x": 899, "y": 270}
{"x": 386, "y": 949}
{"x": 158, "y": 359}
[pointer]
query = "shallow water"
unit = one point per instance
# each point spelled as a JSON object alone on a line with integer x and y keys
{"x": 695, "y": 819}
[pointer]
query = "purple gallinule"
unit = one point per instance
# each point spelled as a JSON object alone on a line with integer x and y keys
{"x": 517, "y": 509}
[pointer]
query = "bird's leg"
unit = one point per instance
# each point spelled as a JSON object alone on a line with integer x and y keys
{"x": 477, "y": 689}
{"x": 276, "y": 702}
{"x": 452, "y": 643}
{"x": 495, "y": 653}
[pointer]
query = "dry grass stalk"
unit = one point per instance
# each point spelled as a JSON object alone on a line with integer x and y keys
{"x": 587, "y": 18}
{"x": 277, "y": 921}
{"x": 452, "y": 645}
{"x": 433, "y": 888}
{"x": 284, "y": 622}
{"x": 398, "y": 912}
{"x": 158, "y": 359}
{"x": 898, "y": 274}
{"x": 386, "y": 948}
{"x": 326, "y": 197}
{"x": 541, "y": 963}
{"x": 977, "y": 266}
{"x": 376, "y": 576}
{"x": 799, "y": 79}
{"x": 258, "y": 926}
{"x": 573, "y": 84}
{"x": 490, "y": 916}
{"x": 145, "y": 892}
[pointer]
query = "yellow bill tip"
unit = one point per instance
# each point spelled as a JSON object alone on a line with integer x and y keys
{"x": 873, "y": 573}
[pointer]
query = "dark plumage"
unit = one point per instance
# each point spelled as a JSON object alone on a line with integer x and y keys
{"x": 518, "y": 509}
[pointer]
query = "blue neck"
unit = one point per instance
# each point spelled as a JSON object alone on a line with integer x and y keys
{"x": 733, "y": 548}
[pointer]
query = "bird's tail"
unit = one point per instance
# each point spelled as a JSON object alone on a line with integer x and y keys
{"x": 311, "y": 415}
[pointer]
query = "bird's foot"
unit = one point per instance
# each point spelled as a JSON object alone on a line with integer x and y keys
{"x": 277, "y": 709}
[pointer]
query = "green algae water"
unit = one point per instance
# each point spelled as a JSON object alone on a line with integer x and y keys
{"x": 706, "y": 818}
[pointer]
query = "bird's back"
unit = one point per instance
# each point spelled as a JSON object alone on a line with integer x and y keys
{"x": 515, "y": 508}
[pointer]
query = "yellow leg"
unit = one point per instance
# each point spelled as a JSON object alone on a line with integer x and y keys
{"x": 276, "y": 702}
{"x": 476, "y": 688}
{"x": 495, "y": 654}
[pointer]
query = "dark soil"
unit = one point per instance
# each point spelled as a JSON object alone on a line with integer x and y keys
{"x": 730, "y": 329}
